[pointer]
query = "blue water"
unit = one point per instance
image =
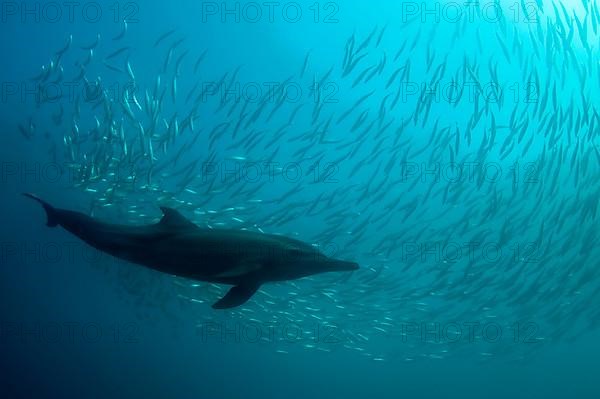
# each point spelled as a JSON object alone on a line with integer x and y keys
{"x": 75, "y": 323}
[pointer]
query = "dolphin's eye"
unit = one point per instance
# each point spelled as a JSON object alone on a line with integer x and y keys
{"x": 294, "y": 253}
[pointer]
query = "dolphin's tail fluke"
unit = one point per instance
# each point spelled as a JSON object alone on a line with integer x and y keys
{"x": 51, "y": 214}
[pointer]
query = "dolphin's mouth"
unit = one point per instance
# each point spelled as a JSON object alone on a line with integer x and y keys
{"x": 342, "y": 265}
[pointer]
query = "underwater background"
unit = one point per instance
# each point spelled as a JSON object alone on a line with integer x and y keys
{"x": 450, "y": 148}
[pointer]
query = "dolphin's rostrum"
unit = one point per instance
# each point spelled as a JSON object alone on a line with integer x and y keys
{"x": 177, "y": 246}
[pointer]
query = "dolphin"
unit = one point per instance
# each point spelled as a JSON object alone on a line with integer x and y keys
{"x": 177, "y": 246}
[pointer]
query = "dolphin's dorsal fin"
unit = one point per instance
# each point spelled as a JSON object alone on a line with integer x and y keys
{"x": 173, "y": 219}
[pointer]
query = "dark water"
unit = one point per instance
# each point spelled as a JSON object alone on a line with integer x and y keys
{"x": 481, "y": 284}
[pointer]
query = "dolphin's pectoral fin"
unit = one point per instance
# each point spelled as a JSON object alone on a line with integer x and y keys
{"x": 237, "y": 295}
{"x": 173, "y": 219}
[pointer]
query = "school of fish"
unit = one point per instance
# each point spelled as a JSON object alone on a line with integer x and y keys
{"x": 465, "y": 182}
